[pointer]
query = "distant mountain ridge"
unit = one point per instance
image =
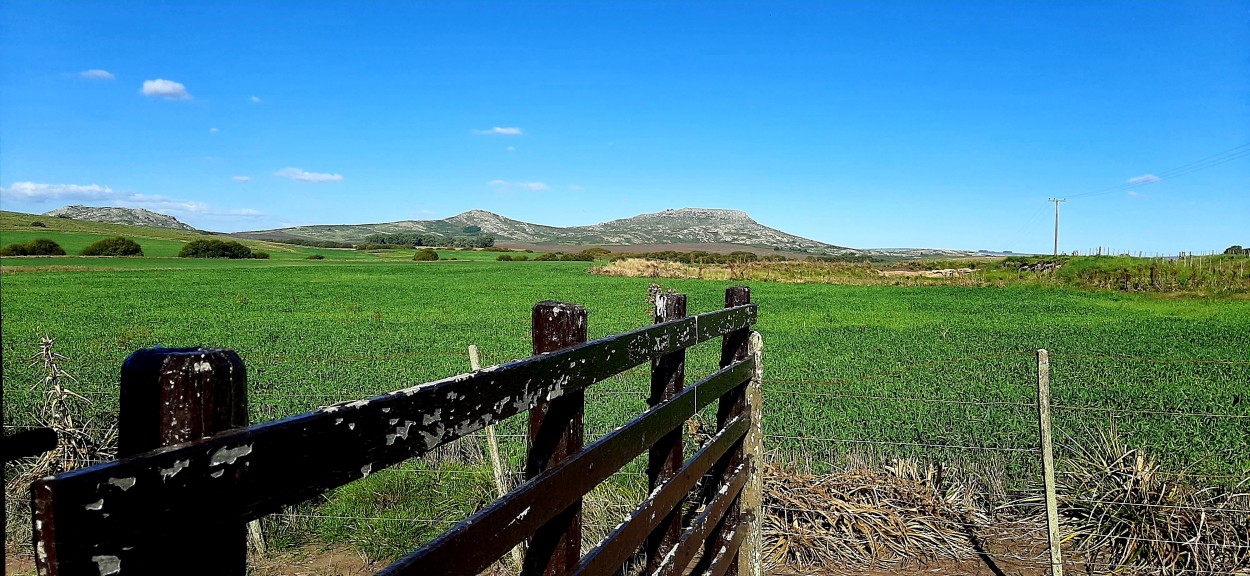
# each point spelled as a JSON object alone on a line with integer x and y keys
{"x": 684, "y": 226}
{"x": 114, "y": 215}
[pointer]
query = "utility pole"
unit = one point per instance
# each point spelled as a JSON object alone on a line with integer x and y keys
{"x": 1057, "y": 201}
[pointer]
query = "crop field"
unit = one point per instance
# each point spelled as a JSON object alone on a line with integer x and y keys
{"x": 937, "y": 373}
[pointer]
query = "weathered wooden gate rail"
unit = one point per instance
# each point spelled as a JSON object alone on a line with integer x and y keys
{"x": 125, "y": 517}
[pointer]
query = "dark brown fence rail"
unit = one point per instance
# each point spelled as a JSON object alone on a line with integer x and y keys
{"x": 181, "y": 508}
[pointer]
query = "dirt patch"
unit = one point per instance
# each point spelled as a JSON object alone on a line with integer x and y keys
{"x": 943, "y": 273}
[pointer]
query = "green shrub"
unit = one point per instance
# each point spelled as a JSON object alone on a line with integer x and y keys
{"x": 36, "y": 247}
{"x": 548, "y": 257}
{"x": 260, "y": 255}
{"x": 376, "y": 246}
{"x": 38, "y": 224}
{"x": 315, "y": 257}
{"x": 425, "y": 255}
{"x": 520, "y": 258}
{"x": 215, "y": 249}
{"x": 504, "y": 258}
{"x": 113, "y": 247}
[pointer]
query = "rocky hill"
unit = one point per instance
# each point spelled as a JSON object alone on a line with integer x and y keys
{"x": 685, "y": 226}
{"x": 113, "y": 215}
{"x": 688, "y": 227}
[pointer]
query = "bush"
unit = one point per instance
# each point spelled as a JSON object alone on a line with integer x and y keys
{"x": 38, "y": 224}
{"x": 113, "y": 247}
{"x": 315, "y": 257}
{"x": 520, "y": 258}
{"x": 215, "y": 249}
{"x": 376, "y": 246}
{"x": 547, "y": 257}
{"x": 36, "y": 247}
{"x": 260, "y": 255}
{"x": 504, "y": 258}
{"x": 425, "y": 255}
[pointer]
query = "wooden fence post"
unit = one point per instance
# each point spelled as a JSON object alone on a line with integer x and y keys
{"x": 496, "y": 462}
{"x": 175, "y": 395}
{"x": 734, "y": 347}
{"x": 1048, "y": 462}
{"x": 753, "y": 493}
{"x": 556, "y": 433}
{"x": 665, "y": 458}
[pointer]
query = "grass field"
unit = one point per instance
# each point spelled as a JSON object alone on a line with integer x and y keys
{"x": 944, "y": 373}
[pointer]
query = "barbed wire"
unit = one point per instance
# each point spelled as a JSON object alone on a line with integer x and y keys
{"x": 893, "y": 443}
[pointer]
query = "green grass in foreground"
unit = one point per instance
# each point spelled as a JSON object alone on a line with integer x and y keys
{"x": 899, "y": 367}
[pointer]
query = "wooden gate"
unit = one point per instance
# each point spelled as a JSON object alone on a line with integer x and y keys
{"x": 179, "y": 502}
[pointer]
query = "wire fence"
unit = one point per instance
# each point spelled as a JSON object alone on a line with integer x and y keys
{"x": 966, "y": 426}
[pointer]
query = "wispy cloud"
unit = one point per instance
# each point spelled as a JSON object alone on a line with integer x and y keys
{"x": 1143, "y": 179}
{"x": 512, "y": 131}
{"x": 1136, "y": 194}
{"x": 36, "y": 192}
{"x": 300, "y": 175}
{"x": 167, "y": 89}
{"x": 212, "y": 130}
{"x": 95, "y": 74}
{"x": 511, "y": 148}
{"x": 241, "y": 178}
{"x": 255, "y": 99}
{"x": 39, "y": 193}
{"x": 504, "y": 185}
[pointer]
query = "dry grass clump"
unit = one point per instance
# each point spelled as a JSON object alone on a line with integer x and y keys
{"x": 1121, "y": 510}
{"x": 863, "y": 518}
{"x": 76, "y": 445}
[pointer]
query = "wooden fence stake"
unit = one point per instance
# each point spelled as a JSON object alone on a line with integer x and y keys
{"x": 734, "y": 347}
{"x": 496, "y": 463}
{"x": 753, "y": 493}
{"x": 668, "y": 377}
{"x": 1048, "y": 461}
{"x": 556, "y": 433}
{"x": 175, "y": 395}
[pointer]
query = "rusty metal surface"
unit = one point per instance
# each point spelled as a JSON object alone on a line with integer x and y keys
{"x": 613, "y": 552}
{"x": 486, "y": 536}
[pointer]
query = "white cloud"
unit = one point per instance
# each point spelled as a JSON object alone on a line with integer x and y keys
{"x": 95, "y": 74}
{"x": 212, "y": 130}
{"x": 36, "y": 192}
{"x": 531, "y": 186}
{"x": 575, "y": 187}
{"x": 513, "y": 131}
{"x": 1135, "y": 194}
{"x": 39, "y": 193}
{"x": 241, "y": 178}
{"x": 1143, "y": 179}
{"x": 255, "y": 99}
{"x": 305, "y": 176}
{"x": 167, "y": 89}
{"x": 511, "y": 148}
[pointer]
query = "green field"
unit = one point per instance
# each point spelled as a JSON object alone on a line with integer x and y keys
{"x": 942, "y": 373}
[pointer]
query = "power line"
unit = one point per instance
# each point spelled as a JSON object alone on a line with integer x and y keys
{"x": 1223, "y": 157}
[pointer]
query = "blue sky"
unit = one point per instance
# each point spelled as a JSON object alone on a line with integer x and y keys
{"x": 865, "y": 124}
